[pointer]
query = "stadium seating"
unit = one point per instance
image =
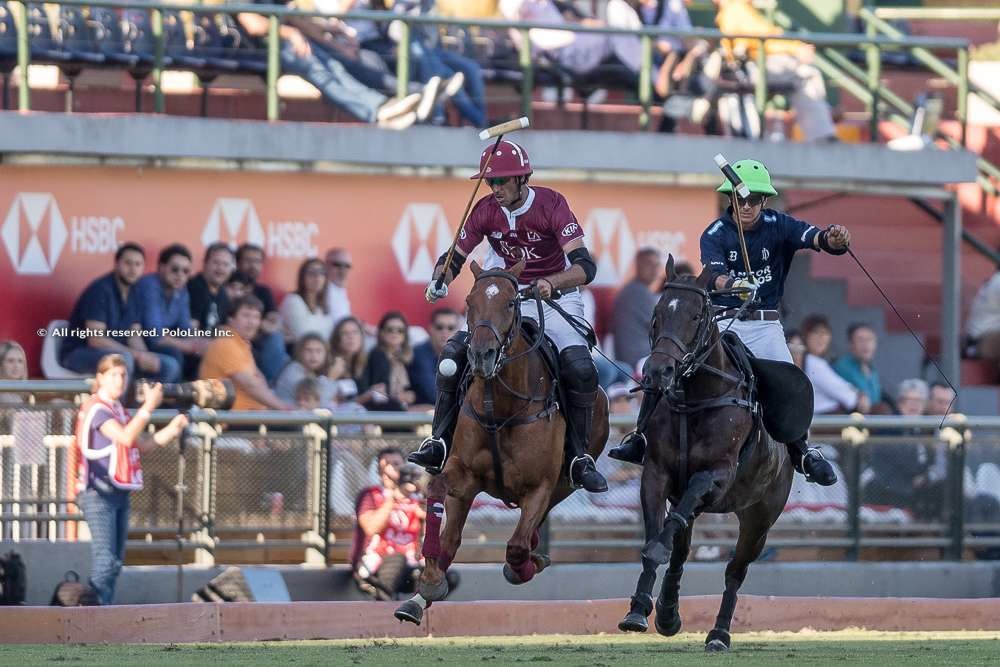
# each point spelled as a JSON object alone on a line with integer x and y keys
{"x": 50, "y": 354}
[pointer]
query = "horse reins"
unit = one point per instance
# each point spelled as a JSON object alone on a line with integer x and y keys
{"x": 488, "y": 421}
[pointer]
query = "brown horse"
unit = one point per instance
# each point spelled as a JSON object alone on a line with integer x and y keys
{"x": 707, "y": 452}
{"x": 508, "y": 442}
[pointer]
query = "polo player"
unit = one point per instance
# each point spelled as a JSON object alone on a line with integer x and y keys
{"x": 536, "y": 225}
{"x": 772, "y": 239}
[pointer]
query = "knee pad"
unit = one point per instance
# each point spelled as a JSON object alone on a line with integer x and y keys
{"x": 579, "y": 374}
{"x": 455, "y": 349}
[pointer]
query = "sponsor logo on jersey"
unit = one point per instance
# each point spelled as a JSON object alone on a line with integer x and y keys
{"x": 765, "y": 255}
{"x": 534, "y": 236}
{"x": 570, "y": 229}
{"x": 733, "y": 255}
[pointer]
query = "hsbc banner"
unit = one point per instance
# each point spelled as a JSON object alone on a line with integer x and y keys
{"x": 61, "y": 227}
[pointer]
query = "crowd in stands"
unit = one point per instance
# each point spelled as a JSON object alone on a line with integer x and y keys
{"x": 352, "y": 62}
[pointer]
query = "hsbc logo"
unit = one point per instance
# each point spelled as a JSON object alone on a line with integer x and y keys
{"x": 34, "y": 233}
{"x": 611, "y": 243}
{"x": 233, "y": 221}
{"x": 421, "y": 236}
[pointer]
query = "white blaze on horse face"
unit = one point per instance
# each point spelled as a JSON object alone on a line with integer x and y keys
{"x": 672, "y": 305}
{"x": 492, "y": 291}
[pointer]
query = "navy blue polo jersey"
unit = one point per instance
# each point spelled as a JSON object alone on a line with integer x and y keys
{"x": 771, "y": 245}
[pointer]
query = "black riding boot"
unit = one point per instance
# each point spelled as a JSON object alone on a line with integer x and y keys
{"x": 433, "y": 451}
{"x": 579, "y": 377}
{"x": 810, "y": 462}
{"x": 632, "y": 448}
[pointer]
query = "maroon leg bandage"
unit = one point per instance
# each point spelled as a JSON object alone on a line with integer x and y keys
{"x": 519, "y": 561}
{"x": 432, "y": 532}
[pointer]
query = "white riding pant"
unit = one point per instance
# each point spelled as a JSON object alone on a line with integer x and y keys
{"x": 556, "y": 327}
{"x": 766, "y": 339}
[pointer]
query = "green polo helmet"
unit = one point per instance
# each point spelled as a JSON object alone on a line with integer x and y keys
{"x": 755, "y": 175}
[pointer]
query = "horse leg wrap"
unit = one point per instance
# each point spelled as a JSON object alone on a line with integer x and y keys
{"x": 642, "y": 604}
{"x": 519, "y": 560}
{"x": 432, "y": 536}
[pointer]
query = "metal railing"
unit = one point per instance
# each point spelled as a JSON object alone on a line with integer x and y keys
{"x": 647, "y": 36}
{"x": 287, "y": 482}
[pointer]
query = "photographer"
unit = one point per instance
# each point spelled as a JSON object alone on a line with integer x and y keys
{"x": 109, "y": 469}
{"x": 385, "y": 554}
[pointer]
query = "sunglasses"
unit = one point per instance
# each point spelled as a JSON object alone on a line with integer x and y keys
{"x": 497, "y": 181}
{"x": 751, "y": 201}
{"x": 339, "y": 265}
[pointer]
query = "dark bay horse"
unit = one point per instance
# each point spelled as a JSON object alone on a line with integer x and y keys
{"x": 508, "y": 442}
{"x": 706, "y": 452}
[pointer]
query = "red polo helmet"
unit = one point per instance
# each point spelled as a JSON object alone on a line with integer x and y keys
{"x": 509, "y": 159}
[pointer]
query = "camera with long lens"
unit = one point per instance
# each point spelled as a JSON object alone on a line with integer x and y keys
{"x": 214, "y": 394}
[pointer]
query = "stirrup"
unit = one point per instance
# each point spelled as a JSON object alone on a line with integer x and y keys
{"x": 427, "y": 448}
{"x": 578, "y": 484}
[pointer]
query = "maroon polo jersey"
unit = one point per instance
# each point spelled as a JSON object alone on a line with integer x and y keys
{"x": 536, "y": 232}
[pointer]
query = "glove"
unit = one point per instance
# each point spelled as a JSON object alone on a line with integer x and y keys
{"x": 749, "y": 288}
{"x": 433, "y": 292}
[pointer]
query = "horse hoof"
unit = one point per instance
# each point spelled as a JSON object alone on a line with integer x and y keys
{"x": 717, "y": 641}
{"x": 434, "y": 592}
{"x": 511, "y": 576}
{"x": 656, "y": 552}
{"x": 716, "y": 646}
{"x": 671, "y": 625}
{"x": 633, "y": 622}
{"x": 410, "y": 611}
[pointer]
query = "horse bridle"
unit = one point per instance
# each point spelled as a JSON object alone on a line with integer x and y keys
{"x": 694, "y": 359}
{"x": 515, "y": 327}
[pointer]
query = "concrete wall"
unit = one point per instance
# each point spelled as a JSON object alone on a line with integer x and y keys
{"x": 47, "y": 562}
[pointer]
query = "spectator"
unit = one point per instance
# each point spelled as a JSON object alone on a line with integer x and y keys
{"x": 311, "y": 360}
{"x": 607, "y": 371}
{"x": 940, "y": 399}
{"x": 348, "y": 360}
{"x": 385, "y": 374}
{"x": 338, "y": 268}
{"x": 634, "y": 306}
{"x": 209, "y": 301}
{"x": 796, "y": 347}
{"x": 911, "y": 400}
{"x": 390, "y": 520}
{"x": 901, "y": 470}
{"x": 307, "y": 58}
{"x": 237, "y": 286}
{"x": 464, "y": 78}
{"x": 620, "y": 399}
{"x": 110, "y": 304}
{"x": 306, "y": 310}
{"x": 164, "y": 305}
{"x": 580, "y": 53}
{"x": 983, "y": 326}
{"x": 675, "y": 61}
{"x": 230, "y": 356}
{"x": 858, "y": 366}
{"x": 307, "y": 394}
{"x": 423, "y": 369}
{"x": 13, "y": 366}
{"x": 109, "y": 466}
{"x": 832, "y": 393}
{"x": 269, "y": 345}
{"x": 787, "y": 61}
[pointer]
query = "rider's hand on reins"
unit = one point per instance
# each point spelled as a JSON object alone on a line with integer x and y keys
{"x": 838, "y": 236}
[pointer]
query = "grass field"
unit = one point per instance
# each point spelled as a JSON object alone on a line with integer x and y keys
{"x": 792, "y": 649}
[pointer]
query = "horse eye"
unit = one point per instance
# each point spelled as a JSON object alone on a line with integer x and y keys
{"x": 511, "y": 304}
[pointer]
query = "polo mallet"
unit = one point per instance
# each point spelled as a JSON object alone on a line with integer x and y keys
{"x": 496, "y": 131}
{"x": 739, "y": 188}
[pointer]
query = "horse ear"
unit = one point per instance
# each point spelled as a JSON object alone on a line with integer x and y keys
{"x": 475, "y": 268}
{"x": 671, "y": 273}
{"x": 517, "y": 269}
{"x": 704, "y": 278}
